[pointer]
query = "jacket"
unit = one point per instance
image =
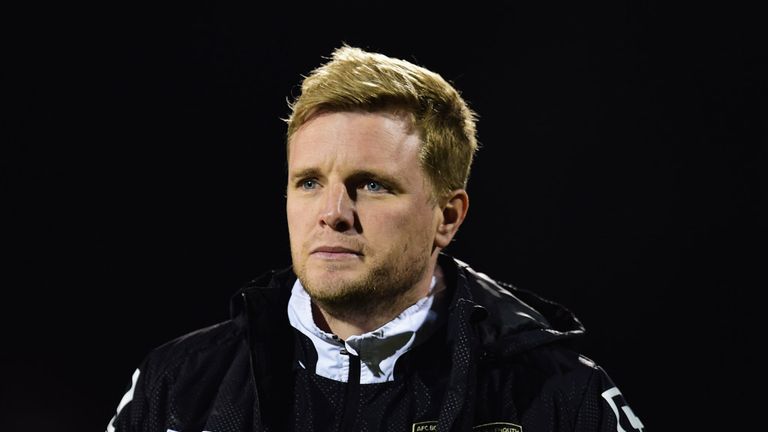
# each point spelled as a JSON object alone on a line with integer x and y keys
{"x": 509, "y": 368}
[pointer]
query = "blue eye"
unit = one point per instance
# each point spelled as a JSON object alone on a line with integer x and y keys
{"x": 308, "y": 184}
{"x": 374, "y": 186}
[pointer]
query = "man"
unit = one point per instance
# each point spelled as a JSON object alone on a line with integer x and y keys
{"x": 373, "y": 328}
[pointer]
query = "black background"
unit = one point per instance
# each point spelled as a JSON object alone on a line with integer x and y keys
{"x": 623, "y": 174}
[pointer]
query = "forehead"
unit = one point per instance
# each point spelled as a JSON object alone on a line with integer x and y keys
{"x": 355, "y": 138}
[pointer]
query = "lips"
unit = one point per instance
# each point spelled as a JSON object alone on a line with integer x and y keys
{"x": 340, "y": 250}
{"x": 336, "y": 253}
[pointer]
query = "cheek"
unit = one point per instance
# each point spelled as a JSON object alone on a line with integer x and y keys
{"x": 296, "y": 220}
{"x": 296, "y": 212}
{"x": 405, "y": 225}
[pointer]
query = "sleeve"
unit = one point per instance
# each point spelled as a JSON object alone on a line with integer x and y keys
{"x": 604, "y": 409}
{"x": 129, "y": 413}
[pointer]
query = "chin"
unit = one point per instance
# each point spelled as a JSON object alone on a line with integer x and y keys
{"x": 332, "y": 277}
{"x": 327, "y": 280}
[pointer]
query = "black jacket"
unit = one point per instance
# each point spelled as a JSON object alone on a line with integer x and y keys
{"x": 508, "y": 368}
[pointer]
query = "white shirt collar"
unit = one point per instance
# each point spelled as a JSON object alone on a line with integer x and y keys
{"x": 378, "y": 350}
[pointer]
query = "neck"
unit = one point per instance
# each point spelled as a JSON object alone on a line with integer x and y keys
{"x": 352, "y": 323}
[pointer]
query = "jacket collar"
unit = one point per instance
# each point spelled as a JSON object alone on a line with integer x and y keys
{"x": 505, "y": 315}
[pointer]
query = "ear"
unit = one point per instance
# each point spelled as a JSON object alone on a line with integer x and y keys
{"x": 453, "y": 213}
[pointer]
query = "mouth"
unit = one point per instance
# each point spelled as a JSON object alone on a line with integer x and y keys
{"x": 335, "y": 252}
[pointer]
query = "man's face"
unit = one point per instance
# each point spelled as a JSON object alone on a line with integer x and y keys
{"x": 360, "y": 216}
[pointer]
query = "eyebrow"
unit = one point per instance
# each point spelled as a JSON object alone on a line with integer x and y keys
{"x": 305, "y": 173}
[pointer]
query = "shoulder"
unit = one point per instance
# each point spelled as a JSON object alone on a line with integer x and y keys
{"x": 200, "y": 340}
{"x": 515, "y": 317}
{"x": 186, "y": 370}
{"x": 199, "y": 349}
{"x": 555, "y": 365}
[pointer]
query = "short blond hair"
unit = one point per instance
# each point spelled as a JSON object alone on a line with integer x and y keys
{"x": 357, "y": 80}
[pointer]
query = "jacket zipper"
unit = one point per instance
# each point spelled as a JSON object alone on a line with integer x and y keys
{"x": 352, "y": 395}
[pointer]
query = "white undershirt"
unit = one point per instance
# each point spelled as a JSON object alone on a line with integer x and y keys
{"x": 378, "y": 350}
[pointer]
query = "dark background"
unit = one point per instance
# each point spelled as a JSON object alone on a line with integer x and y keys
{"x": 623, "y": 174}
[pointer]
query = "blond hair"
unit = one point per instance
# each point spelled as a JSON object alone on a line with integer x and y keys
{"x": 357, "y": 80}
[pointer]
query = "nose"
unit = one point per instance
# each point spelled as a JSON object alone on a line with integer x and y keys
{"x": 338, "y": 211}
